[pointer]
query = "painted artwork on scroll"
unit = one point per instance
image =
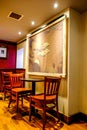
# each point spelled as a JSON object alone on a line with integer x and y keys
{"x": 47, "y": 50}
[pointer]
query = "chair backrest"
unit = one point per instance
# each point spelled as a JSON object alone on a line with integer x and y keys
{"x": 16, "y": 80}
{"x": 51, "y": 86}
{"x": 5, "y": 76}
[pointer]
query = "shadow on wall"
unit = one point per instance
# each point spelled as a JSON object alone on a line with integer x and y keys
{"x": 63, "y": 88}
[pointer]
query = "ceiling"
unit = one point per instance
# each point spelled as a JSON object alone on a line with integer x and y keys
{"x": 38, "y": 10}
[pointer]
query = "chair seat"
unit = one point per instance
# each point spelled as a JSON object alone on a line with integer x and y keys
{"x": 41, "y": 97}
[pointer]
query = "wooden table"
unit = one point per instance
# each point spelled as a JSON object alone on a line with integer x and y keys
{"x": 33, "y": 80}
{"x": 18, "y": 92}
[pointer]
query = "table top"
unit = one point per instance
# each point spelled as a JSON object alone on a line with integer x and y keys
{"x": 32, "y": 79}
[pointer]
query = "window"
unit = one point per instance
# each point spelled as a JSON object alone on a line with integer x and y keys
{"x": 20, "y": 54}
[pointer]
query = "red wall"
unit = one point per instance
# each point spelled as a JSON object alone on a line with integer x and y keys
{"x": 10, "y": 61}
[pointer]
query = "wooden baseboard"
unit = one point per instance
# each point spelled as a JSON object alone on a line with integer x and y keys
{"x": 71, "y": 119}
{"x": 83, "y": 117}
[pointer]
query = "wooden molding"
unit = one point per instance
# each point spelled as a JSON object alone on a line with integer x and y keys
{"x": 69, "y": 120}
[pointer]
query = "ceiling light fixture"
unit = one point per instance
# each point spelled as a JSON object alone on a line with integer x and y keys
{"x": 19, "y": 33}
{"x": 55, "y": 5}
{"x": 33, "y": 23}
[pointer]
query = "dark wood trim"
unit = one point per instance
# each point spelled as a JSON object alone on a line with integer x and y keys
{"x": 83, "y": 117}
{"x": 71, "y": 119}
{"x": 7, "y": 42}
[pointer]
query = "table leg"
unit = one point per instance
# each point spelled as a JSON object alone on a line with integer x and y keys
{"x": 16, "y": 102}
{"x": 33, "y": 93}
{"x": 33, "y": 88}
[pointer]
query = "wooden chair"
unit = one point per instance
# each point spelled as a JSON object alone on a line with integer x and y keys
{"x": 5, "y": 78}
{"x": 48, "y": 100}
{"x": 16, "y": 88}
{"x": 15, "y": 82}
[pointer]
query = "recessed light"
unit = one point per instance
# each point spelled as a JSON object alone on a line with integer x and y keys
{"x": 19, "y": 33}
{"x": 33, "y": 22}
{"x": 55, "y": 5}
